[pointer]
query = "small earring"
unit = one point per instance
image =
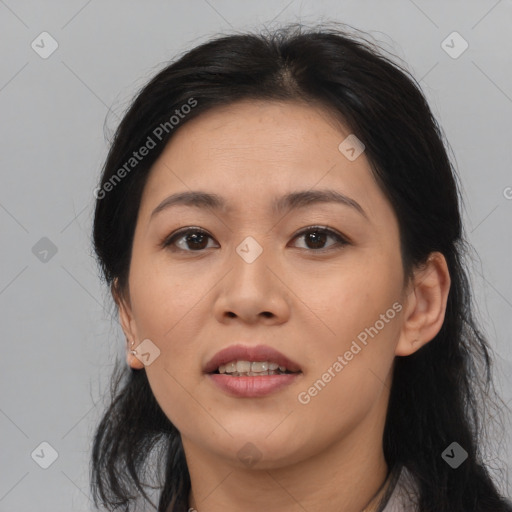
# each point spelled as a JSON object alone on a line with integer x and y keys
{"x": 134, "y": 352}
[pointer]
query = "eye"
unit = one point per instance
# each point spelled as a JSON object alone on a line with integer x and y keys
{"x": 196, "y": 239}
{"x": 189, "y": 239}
{"x": 316, "y": 236}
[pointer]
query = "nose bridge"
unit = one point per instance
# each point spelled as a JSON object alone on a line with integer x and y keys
{"x": 251, "y": 288}
{"x": 250, "y": 260}
{"x": 250, "y": 249}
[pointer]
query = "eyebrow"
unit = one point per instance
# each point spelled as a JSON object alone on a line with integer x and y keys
{"x": 288, "y": 202}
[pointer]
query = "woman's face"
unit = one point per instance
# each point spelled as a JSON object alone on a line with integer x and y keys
{"x": 261, "y": 275}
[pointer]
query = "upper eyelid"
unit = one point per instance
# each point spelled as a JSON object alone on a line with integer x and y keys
{"x": 320, "y": 227}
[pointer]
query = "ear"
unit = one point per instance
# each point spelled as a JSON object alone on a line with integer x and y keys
{"x": 128, "y": 324}
{"x": 425, "y": 305}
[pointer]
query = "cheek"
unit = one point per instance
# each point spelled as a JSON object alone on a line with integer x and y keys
{"x": 350, "y": 295}
{"x": 350, "y": 372}
{"x": 356, "y": 337}
{"x": 164, "y": 295}
{"x": 167, "y": 310}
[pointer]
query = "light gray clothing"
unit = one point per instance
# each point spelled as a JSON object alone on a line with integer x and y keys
{"x": 404, "y": 494}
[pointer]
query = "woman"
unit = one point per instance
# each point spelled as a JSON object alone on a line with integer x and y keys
{"x": 279, "y": 223}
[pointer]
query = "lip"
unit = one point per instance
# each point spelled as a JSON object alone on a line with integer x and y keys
{"x": 252, "y": 387}
{"x": 250, "y": 353}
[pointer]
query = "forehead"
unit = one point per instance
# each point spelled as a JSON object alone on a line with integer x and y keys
{"x": 250, "y": 152}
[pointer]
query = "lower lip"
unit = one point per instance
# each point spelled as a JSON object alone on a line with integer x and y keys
{"x": 252, "y": 387}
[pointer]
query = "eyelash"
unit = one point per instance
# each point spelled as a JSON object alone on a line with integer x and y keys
{"x": 340, "y": 240}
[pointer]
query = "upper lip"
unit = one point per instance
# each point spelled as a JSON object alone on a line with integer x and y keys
{"x": 250, "y": 353}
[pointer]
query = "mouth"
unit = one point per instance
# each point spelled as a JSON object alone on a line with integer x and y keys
{"x": 250, "y": 361}
{"x": 243, "y": 371}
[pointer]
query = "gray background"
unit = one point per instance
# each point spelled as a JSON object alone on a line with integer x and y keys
{"x": 59, "y": 339}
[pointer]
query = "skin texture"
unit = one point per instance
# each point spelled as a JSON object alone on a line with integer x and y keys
{"x": 308, "y": 303}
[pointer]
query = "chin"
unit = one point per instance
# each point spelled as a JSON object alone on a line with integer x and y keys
{"x": 259, "y": 450}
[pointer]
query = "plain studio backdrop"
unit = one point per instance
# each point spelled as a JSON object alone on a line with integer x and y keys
{"x": 69, "y": 70}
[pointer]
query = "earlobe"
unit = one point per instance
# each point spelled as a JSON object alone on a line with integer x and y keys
{"x": 131, "y": 355}
{"x": 128, "y": 325}
{"x": 425, "y": 305}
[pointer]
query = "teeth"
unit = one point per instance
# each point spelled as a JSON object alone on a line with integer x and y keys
{"x": 259, "y": 367}
{"x": 243, "y": 366}
{"x": 248, "y": 368}
{"x": 251, "y": 374}
{"x": 231, "y": 367}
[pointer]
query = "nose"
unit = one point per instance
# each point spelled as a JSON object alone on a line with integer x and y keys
{"x": 253, "y": 292}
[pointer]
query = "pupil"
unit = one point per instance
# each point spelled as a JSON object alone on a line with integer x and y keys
{"x": 317, "y": 234}
{"x": 194, "y": 238}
